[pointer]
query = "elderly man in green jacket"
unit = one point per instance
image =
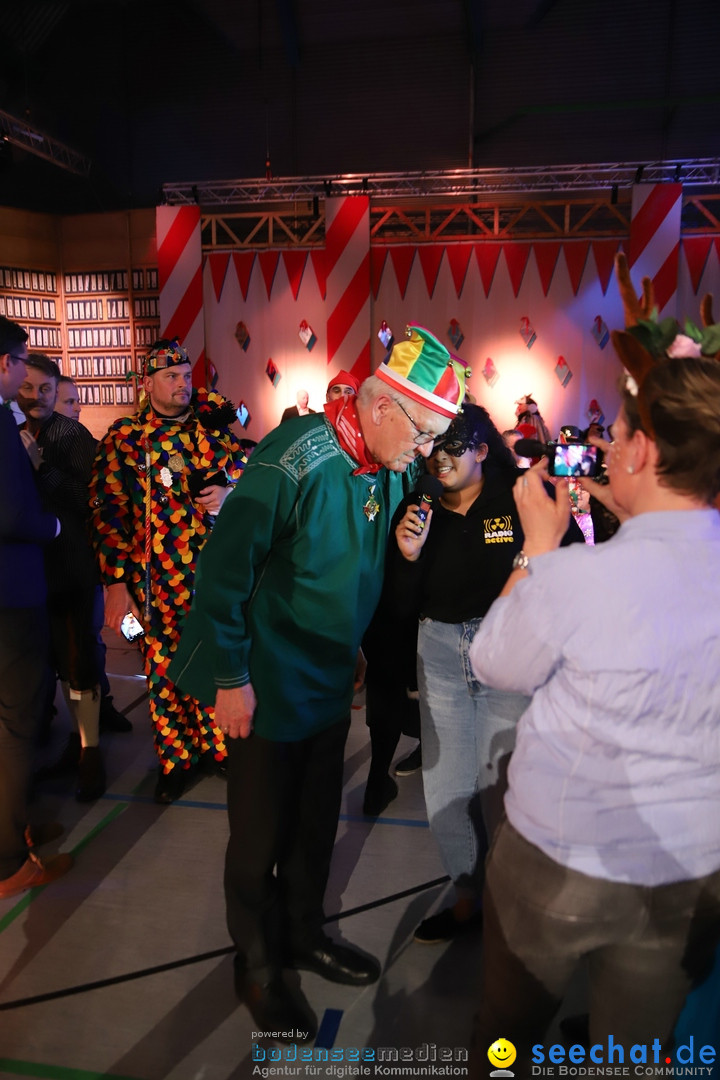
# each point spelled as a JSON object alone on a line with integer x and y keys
{"x": 285, "y": 589}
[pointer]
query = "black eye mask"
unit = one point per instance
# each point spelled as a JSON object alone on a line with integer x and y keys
{"x": 453, "y": 447}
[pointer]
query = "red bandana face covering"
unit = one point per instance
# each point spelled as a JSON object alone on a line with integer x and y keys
{"x": 345, "y": 421}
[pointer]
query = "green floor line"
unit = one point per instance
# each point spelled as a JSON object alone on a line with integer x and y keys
{"x": 21, "y": 906}
{"x": 56, "y": 1072}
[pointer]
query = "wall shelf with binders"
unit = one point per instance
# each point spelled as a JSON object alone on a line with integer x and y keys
{"x": 30, "y": 297}
{"x": 112, "y": 318}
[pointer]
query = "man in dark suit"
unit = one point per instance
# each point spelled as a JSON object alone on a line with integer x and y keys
{"x": 299, "y": 409}
{"x": 24, "y": 528}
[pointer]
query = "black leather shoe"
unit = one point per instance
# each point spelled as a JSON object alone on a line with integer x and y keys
{"x": 337, "y": 963}
{"x": 171, "y": 786}
{"x": 274, "y": 1007}
{"x": 378, "y": 797}
{"x": 111, "y": 719}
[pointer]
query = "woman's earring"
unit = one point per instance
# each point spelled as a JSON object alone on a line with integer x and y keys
{"x": 630, "y": 469}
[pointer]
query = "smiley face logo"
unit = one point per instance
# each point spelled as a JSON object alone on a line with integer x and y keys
{"x": 502, "y": 1053}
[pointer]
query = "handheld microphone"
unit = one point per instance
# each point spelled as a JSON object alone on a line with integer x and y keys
{"x": 530, "y": 448}
{"x": 429, "y": 488}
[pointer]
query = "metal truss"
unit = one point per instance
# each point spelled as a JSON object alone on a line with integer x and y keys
{"x": 565, "y": 202}
{"x": 466, "y": 183}
{"x": 20, "y": 133}
{"x": 302, "y": 224}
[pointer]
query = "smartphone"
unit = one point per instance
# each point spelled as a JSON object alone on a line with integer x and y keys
{"x": 574, "y": 459}
{"x": 131, "y": 628}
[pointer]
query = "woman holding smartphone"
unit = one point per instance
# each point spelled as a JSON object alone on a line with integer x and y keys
{"x": 610, "y": 852}
{"x": 449, "y": 569}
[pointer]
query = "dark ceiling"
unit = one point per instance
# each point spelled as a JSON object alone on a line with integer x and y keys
{"x": 155, "y": 91}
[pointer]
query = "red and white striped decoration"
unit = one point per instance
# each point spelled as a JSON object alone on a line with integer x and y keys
{"x": 180, "y": 280}
{"x": 654, "y": 248}
{"x": 347, "y": 265}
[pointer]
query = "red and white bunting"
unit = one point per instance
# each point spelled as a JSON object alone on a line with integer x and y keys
{"x": 180, "y": 282}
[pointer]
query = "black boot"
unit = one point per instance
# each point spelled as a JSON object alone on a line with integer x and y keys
{"x": 91, "y": 775}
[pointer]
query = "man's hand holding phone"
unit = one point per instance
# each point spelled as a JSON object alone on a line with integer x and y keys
{"x": 119, "y": 606}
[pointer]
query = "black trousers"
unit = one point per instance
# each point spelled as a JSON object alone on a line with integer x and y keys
{"x": 24, "y": 676}
{"x": 283, "y": 806}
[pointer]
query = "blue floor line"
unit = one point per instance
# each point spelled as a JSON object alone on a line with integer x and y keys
{"x": 198, "y": 804}
{"x": 329, "y": 1025}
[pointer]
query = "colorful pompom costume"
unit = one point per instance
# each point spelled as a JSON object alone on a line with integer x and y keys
{"x": 148, "y": 529}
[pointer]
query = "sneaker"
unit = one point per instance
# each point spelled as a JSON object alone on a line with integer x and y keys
{"x": 410, "y": 764}
{"x": 34, "y": 872}
{"x": 445, "y": 927}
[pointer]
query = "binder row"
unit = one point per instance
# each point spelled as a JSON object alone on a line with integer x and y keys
{"x": 24, "y": 307}
{"x": 44, "y": 337}
{"x": 97, "y": 281}
{"x": 12, "y": 277}
{"x": 93, "y": 367}
{"x": 147, "y": 308}
{"x": 146, "y": 335}
{"x": 99, "y": 337}
{"x": 87, "y": 310}
{"x": 106, "y": 394}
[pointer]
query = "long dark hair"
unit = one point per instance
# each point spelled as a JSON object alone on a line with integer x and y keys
{"x": 474, "y": 426}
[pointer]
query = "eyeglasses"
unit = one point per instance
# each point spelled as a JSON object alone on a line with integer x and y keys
{"x": 15, "y": 356}
{"x": 423, "y": 437}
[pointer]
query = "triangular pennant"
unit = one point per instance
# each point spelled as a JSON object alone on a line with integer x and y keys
{"x": 219, "y": 262}
{"x": 402, "y": 259}
{"x": 546, "y": 256}
{"x": 604, "y": 252}
{"x": 576, "y": 253}
{"x": 243, "y": 262}
{"x": 430, "y": 258}
{"x": 295, "y": 266}
{"x": 459, "y": 258}
{"x": 516, "y": 257}
{"x": 696, "y": 250}
{"x": 378, "y": 255}
{"x": 317, "y": 257}
{"x": 487, "y": 256}
{"x": 268, "y": 264}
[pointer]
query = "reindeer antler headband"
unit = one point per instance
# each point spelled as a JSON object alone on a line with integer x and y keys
{"x": 645, "y": 341}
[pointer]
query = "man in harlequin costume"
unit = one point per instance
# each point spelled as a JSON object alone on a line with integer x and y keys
{"x": 160, "y": 478}
{"x": 284, "y": 592}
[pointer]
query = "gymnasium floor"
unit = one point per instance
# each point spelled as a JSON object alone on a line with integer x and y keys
{"x": 122, "y": 969}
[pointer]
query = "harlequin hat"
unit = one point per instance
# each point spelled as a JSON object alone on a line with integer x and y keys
{"x": 164, "y": 354}
{"x": 344, "y": 378}
{"x": 423, "y": 369}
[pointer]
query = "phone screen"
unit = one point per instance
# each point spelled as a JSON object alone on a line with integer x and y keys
{"x": 574, "y": 459}
{"x": 131, "y": 628}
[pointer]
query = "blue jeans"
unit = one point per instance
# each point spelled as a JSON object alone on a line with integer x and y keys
{"x": 468, "y": 734}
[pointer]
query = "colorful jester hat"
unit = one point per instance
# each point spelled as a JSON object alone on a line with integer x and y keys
{"x": 423, "y": 369}
{"x": 645, "y": 341}
{"x": 164, "y": 354}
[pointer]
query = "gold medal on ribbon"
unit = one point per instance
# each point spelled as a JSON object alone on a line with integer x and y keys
{"x": 176, "y": 463}
{"x": 371, "y": 509}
